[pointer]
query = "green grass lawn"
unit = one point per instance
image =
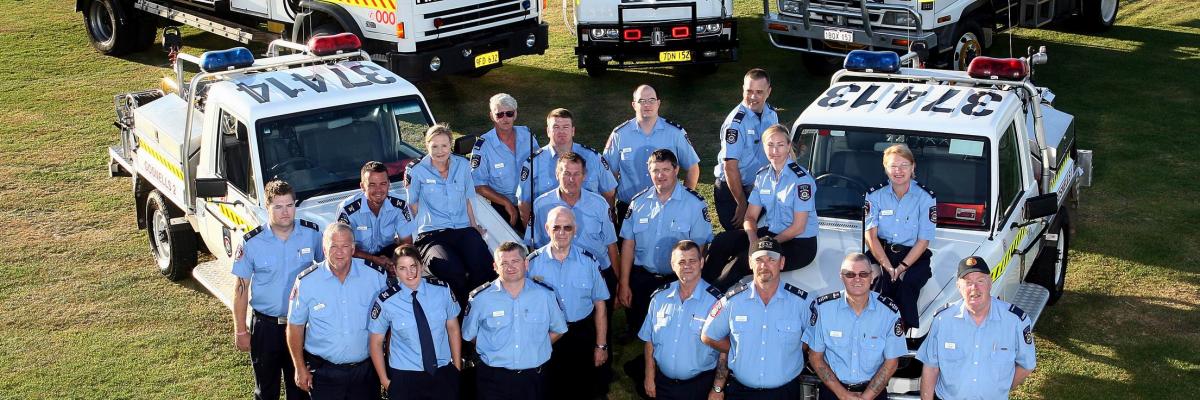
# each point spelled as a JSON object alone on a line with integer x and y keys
{"x": 85, "y": 314}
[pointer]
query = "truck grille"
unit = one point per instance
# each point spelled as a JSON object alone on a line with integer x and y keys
{"x": 836, "y": 3}
{"x": 467, "y": 18}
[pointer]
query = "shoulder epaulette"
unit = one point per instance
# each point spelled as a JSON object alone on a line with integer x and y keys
{"x": 310, "y": 225}
{"x": 378, "y": 268}
{"x": 712, "y": 290}
{"x": 763, "y": 168}
{"x": 481, "y": 288}
{"x": 887, "y": 301}
{"x": 622, "y": 125}
{"x": 740, "y": 114}
{"x": 353, "y": 206}
{"x": 478, "y": 143}
{"x": 795, "y": 290}
{"x": 543, "y": 284}
{"x": 695, "y": 193}
{"x": 672, "y": 123}
{"x": 589, "y": 254}
{"x": 829, "y": 296}
{"x": 253, "y": 232}
{"x": 391, "y": 290}
{"x": 534, "y": 254}
{"x": 944, "y": 307}
{"x": 534, "y": 154}
{"x": 1017, "y": 310}
{"x": 796, "y": 168}
{"x": 307, "y": 271}
{"x": 396, "y": 202}
{"x": 872, "y": 189}
{"x": 588, "y": 148}
{"x": 737, "y": 289}
{"x": 660, "y": 289}
{"x": 408, "y": 171}
{"x": 639, "y": 194}
{"x": 925, "y": 189}
{"x": 432, "y": 280}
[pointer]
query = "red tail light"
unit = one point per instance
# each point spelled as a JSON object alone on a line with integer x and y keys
{"x": 679, "y": 32}
{"x": 632, "y": 34}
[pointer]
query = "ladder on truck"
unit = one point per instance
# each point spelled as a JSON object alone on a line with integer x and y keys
{"x": 207, "y": 23}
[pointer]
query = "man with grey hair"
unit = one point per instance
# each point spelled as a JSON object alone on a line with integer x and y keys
{"x": 327, "y": 321}
{"x": 574, "y": 273}
{"x": 513, "y": 321}
{"x": 856, "y": 336}
{"x": 497, "y": 156}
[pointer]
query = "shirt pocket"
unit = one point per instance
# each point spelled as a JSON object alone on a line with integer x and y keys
{"x": 583, "y": 287}
{"x": 789, "y": 331}
{"x": 681, "y": 227}
{"x": 872, "y": 351}
{"x": 496, "y": 323}
{"x": 536, "y": 322}
{"x": 1003, "y": 361}
{"x": 695, "y": 326}
{"x": 266, "y": 273}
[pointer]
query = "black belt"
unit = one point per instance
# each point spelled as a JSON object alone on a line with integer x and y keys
{"x": 656, "y": 276}
{"x": 701, "y": 375}
{"x": 534, "y": 370}
{"x": 856, "y": 387}
{"x": 271, "y": 318}
{"x": 318, "y": 362}
{"x": 431, "y": 233}
{"x": 893, "y": 247}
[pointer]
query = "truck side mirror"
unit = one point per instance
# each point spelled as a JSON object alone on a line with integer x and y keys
{"x": 1041, "y": 206}
{"x": 463, "y": 145}
{"x": 211, "y": 187}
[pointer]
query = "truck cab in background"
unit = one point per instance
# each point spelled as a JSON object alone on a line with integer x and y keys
{"x": 648, "y": 33}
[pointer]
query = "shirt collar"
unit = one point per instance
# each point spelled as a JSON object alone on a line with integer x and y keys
{"x": 676, "y": 288}
{"x": 754, "y": 291}
{"x": 844, "y": 302}
{"x": 993, "y": 311}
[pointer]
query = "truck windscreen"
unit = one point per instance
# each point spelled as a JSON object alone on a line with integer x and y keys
{"x": 323, "y": 151}
{"x": 846, "y": 161}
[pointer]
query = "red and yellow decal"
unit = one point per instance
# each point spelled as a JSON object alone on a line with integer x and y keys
{"x": 385, "y": 5}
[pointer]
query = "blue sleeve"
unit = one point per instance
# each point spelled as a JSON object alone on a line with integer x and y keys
{"x": 814, "y": 335}
{"x": 479, "y": 161}
{"x": 406, "y": 225}
{"x": 243, "y": 267}
{"x": 801, "y": 205}
{"x": 927, "y": 353}
{"x": 558, "y": 318}
{"x": 1026, "y": 354}
{"x": 927, "y": 227}
{"x": 894, "y": 345}
{"x": 380, "y": 320}
{"x": 608, "y": 233}
{"x": 646, "y": 332}
{"x": 612, "y": 150}
{"x": 599, "y": 287}
{"x": 702, "y": 228}
{"x": 298, "y": 306}
{"x": 470, "y": 323}
{"x": 753, "y": 197}
{"x": 627, "y": 225}
{"x": 452, "y": 307}
{"x": 732, "y": 139}
{"x": 716, "y": 326}
{"x": 686, "y": 154}
{"x": 412, "y": 182}
{"x": 603, "y": 173}
{"x": 523, "y": 182}
{"x": 870, "y": 213}
{"x": 318, "y": 248}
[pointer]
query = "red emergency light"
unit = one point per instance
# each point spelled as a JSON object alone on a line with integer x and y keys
{"x": 323, "y": 45}
{"x": 998, "y": 68}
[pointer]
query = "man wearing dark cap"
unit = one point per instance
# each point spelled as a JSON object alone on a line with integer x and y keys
{"x": 761, "y": 324}
{"x": 978, "y": 347}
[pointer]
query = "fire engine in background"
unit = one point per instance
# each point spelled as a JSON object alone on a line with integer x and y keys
{"x": 1003, "y": 162}
{"x": 415, "y": 39}
{"x": 946, "y": 33}
{"x": 200, "y": 152}
{"x": 650, "y": 33}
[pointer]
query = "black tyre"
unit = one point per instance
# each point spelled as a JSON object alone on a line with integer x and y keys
{"x": 1050, "y": 267}
{"x": 822, "y": 65}
{"x": 114, "y": 36}
{"x": 968, "y": 44}
{"x": 595, "y": 68}
{"x": 173, "y": 247}
{"x": 1097, "y": 15}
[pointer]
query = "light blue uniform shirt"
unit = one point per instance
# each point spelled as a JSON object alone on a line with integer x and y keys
{"x": 393, "y": 310}
{"x": 336, "y": 314}
{"x": 978, "y": 361}
{"x": 594, "y": 230}
{"x": 513, "y": 333}
{"x": 766, "y": 341}
{"x": 374, "y": 232}
{"x": 442, "y": 203}
{"x": 271, "y": 265}
{"x": 494, "y": 165}
{"x": 741, "y": 140}
{"x": 576, "y": 279}
{"x": 539, "y": 170}
{"x": 902, "y": 221}
{"x": 673, "y": 326}
{"x": 792, "y": 192}
{"x": 656, "y": 227}
{"x": 855, "y": 346}
{"x": 629, "y": 148}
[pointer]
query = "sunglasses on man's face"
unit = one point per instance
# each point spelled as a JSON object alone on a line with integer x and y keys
{"x": 860, "y": 274}
{"x": 505, "y": 114}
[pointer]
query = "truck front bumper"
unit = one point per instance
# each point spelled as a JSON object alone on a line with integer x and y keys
{"x": 626, "y": 54}
{"x": 809, "y": 35}
{"x": 461, "y": 55}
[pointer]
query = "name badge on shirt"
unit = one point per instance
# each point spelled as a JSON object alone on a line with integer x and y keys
{"x": 750, "y": 132}
{"x": 362, "y": 228}
{"x": 951, "y": 345}
{"x": 764, "y": 191}
{"x": 499, "y": 313}
{"x": 739, "y": 318}
{"x": 498, "y": 166}
{"x": 887, "y": 212}
{"x": 643, "y": 220}
{"x": 835, "y": 333}
{"x": 625, "y": 152}
{"x": 306, "y": 250}
{"x": 319, "y": 307}
{"x": 430, "y": 181}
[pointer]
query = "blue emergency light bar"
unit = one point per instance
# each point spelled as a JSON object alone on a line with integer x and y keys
{"x": 872, "y": 61}
{"x": 224, "y": 60}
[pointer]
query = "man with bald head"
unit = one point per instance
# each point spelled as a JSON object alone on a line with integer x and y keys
{"x": 631, "y": 143}
{"x": 574, "y": 273}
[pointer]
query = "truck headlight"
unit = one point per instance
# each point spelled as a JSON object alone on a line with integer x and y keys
{"x": 790, "y": 6}
{"x": 899, "y": 18}
{"x": 604, "y": 33}
{"x": 708, "y": 29}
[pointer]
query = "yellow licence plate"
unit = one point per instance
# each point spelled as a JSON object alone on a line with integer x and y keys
{"x": 674, "y": 56}
{"x": 487, "y": 59}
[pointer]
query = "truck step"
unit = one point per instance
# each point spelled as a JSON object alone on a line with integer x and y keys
{"x": 1036, "y": 13}
{"x": 215, "y": 276}
{"x": 207, "y": 23}
{"x": 1032, "y": 298}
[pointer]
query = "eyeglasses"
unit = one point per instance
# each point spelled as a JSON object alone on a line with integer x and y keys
{"x": 650, "y": 100}
{"x": 563, "y": 228}
{"x": 860, "y": 274}
{"x": 505, "y": 114}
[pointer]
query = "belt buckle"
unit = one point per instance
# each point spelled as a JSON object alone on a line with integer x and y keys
{"x": 895, "y": 248}
{"x": 281, "y": 320}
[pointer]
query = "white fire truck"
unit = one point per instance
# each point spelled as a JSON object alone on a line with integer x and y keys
{"x": 416, "y": 39}
{"x": 1003, "y": 163}
{"x": 199, "y": 153}
{"x": 650, "y": 33}
{"x": 947, "y": 33}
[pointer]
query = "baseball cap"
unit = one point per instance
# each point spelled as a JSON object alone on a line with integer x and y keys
{"x": 972, "y": 264}
{"x": 767, "y": 246}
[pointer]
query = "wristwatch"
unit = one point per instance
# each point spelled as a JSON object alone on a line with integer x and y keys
{"x": 718, "y": 389}
{"x": 602, "y": 346}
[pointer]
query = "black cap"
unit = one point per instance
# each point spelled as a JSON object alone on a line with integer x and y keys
{"x": 769, "y": 245}
{"x": 972, "y": 264}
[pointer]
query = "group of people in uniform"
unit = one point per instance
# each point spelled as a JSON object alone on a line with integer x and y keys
{"x": 402, "y": 296}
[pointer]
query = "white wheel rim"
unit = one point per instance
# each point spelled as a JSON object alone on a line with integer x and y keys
{"x": 1062, "y": 256}
{"x": 1108, "y": 10}
{"x": 160, "y": 240}
{"x": 967, "y": 48}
